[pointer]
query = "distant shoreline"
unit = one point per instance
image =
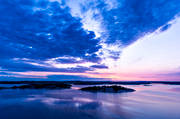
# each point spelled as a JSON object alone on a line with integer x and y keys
{"x": 93, "y": 82}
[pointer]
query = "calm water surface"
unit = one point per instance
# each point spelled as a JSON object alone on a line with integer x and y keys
{"x": 148, "y": 102}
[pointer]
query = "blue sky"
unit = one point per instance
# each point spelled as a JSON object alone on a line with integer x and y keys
{"x": 97, "y": 39}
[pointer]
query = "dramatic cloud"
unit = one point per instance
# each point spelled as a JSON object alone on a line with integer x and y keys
{"x": 126, "y": 20}
{"x": 119, "y": 23}
{"x": 20, "y": 66}
{"x": 75, "y": 36}
{"x": 40, "y": 30}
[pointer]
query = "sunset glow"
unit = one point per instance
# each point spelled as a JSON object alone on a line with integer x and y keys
{"x": 90, "y": 40}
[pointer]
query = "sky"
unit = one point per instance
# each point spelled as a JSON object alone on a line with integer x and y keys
{"x": 116, "y": 40}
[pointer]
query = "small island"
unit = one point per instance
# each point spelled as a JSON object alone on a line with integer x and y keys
{"x": 40, "y": 86}
{"x": 108, "y": 89}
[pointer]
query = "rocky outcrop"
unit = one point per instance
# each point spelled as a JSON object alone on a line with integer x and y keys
{"x": 108, "y": 89}
{"x": 39, "y": 86}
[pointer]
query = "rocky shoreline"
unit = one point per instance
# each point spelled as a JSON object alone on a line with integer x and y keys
{"x": 40, "y": 86}
{"x": 108, "y": 89}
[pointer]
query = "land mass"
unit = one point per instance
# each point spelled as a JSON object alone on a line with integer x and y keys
{"x": 93, "y": 82}
{"x": 68, "y": 84}
{"x": 40, "y": 86}
{"x": 108, "y": 89}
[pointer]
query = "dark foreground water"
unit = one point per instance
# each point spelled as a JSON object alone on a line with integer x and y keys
{"x": 148, "y": 102}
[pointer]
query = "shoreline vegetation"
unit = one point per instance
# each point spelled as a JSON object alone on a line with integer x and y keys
{"x": 101, "y": 86}
{"x": 93, "y": 82}
{"x": 108, "y": 89}
{"x": 40, "y": 86}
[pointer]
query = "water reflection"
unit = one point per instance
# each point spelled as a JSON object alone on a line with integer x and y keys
{"x": 148, "y": 102}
